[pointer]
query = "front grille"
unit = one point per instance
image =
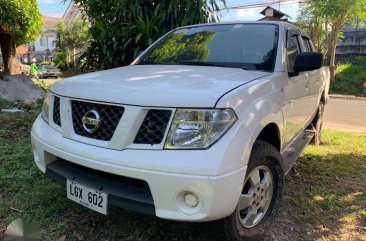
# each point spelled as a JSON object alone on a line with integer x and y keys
{"x": 110, "y": 115}
{"x": 153, "y": 127}
{"x": 56, "y": 111}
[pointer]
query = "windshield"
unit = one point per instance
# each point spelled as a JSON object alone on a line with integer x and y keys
{"x": 247, "y": 46}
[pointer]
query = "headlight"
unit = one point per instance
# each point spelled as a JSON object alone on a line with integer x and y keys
{"x": 198, "y": 129}
{"x": 46, "y": 107}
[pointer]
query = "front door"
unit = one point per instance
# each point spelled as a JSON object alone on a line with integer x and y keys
{"x": 297, "y": 95}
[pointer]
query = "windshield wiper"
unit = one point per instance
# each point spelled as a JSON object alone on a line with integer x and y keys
{"x": 214, "y": 64}
{"x": 154, "y": 63}
{"x": 199, "y": 63}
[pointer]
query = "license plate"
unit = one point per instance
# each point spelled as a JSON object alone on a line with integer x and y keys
{"x": 88, "y": 197}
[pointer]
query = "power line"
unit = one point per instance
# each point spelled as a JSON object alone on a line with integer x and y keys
{"x": 261, "y": 4}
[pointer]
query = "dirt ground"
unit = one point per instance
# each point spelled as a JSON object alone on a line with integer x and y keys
{"x": 19, "y": 87}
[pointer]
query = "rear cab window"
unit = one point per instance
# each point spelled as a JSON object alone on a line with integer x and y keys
{"x": 307, "y": 44}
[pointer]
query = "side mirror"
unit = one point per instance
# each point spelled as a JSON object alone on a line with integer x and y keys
{"x": 308, "y": 61}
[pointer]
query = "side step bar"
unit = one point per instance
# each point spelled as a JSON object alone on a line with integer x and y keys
{"x": 292, "y": 153}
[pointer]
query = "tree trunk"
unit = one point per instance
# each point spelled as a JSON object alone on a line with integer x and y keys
{"x": 74, "y": 58}
{"x": 8, "y": 51}
{"x": 333, "y": 46}
{"x": 67, "y": 59}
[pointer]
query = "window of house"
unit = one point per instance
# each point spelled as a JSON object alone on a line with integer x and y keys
{"x": 293, "y": 50}
{"x": 31, "y": 47}
{"x": 43, "y": 40}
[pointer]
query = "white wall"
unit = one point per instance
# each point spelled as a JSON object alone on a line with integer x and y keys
{"x": 41, "y": 45}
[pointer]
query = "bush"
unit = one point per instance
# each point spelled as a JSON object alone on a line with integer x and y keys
{"x": 60, "y": 60}
{"x": 46, "y": 63}
{"x": 350, "y": 77}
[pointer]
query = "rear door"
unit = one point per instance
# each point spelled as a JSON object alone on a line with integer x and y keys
{"x": 314, "y": 82}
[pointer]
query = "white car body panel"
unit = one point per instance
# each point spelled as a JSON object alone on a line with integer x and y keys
{"x": 153, "y": 85}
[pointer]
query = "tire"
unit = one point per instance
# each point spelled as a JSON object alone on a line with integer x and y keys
{"x": 265, "y": 160}
{"x": 318, "y": 125}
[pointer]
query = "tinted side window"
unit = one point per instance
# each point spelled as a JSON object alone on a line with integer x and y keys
{"x": 311, "y": 46}
{"x": 307, "y": 44}
{"x": 293, "y": 50}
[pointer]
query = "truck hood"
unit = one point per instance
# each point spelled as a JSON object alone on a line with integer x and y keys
{"x": 157, "y": 85}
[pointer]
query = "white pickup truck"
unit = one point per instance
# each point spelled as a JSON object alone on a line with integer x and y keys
{"x": 202, "y": 126}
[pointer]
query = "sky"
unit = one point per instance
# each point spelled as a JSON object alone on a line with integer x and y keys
{"x": 52, "y": 7}
{"x": 58, "y": 7}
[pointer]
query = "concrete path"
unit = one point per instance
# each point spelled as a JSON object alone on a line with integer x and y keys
{"x": 345, "y": 115}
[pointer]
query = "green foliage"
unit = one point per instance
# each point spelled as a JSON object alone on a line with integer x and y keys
{"x": 60, "y": 60}
{"x": 74, "y": 35}
{"x": 72, "y": 41}
{"x": 336, "y": 178}
{"x": 46, "y": 63}
{"x": 21, "y": 19}
{"x": 350, "y": 77}
{"x": 120, "y": 29}
{"x": 326, "y": 19}
{"x": 335, "y": 13}
{"x": 147, "y": 29}
{"x": 44, "y": 84}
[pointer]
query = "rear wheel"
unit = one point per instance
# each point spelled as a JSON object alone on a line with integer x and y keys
{"x": 318, "y": 125}
{"x": 260, "y": 197}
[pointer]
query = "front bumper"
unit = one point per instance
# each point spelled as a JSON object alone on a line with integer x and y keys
{"x": 122, "y": 192}
{"x": 218, "y": 194}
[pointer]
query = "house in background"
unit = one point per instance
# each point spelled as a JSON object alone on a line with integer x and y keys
{"x": 43, "y": 48}
{"x": 354, "y": 42}
{"x": 72, "y": 12}
{"x": 272, "y": 14}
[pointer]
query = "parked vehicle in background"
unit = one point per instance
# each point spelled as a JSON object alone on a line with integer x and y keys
{"x": 49, "y": 71}
{"x": 25, "y": 69}
{"x": 202, "y": 126}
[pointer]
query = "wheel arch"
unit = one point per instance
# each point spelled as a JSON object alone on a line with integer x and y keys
{"x": 271, "y": 134}
{"x": 323, "y": 99}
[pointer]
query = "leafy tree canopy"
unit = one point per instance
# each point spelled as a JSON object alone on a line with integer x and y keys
{"x": 326, "y": 19}
{"x": 21, "y": 19}
{"x": 74, "y": 35}
{"x": 72, "y": 40}
{"x": 120, "y": 29}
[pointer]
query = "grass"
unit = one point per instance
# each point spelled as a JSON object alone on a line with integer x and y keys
{"x": 350, "y": 78}
{"x": 324, "y": 199}
{"x": 328, "y": 190}
{"x": 45, "y": 83}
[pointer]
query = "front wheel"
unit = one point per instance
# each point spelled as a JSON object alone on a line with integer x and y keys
{"x": 260, "y": 197}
